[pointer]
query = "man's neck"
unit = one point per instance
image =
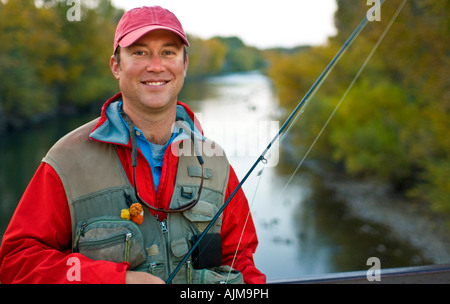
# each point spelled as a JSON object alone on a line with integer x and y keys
{"x": 157, "y": 127}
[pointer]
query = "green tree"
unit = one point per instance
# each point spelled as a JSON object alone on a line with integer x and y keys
{"x": 27, "y": 60}
{"x": 90, "y": 41}
{"x": 240, "y": 57}
{"x": 206, "y": 57}
{"x": 47, "y": 61}
{"x": 394, "y": 123}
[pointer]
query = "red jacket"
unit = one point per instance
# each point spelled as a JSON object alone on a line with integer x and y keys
{"x": 36, "y": 246}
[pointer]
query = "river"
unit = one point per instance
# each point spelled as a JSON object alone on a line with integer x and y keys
{"x": 303, "y": 227}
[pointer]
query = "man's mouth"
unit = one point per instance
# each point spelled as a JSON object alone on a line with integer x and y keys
{"x": 154, "y": 83}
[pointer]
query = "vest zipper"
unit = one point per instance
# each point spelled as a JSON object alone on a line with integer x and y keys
{"x": 189, "y": 271}
{"x": 77, "y": 237}
{"x": 163, "y": 227}
{"x": 164, "y": 230}
{"x": 127, "y": 246}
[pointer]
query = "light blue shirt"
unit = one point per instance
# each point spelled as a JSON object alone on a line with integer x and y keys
{"x": 115, "y": 130}
{"x": 153, "y": 153}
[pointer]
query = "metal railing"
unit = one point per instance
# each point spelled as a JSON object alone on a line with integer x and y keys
{"x": 430, "y": 274}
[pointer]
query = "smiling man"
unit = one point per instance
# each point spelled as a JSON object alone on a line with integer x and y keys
{"x": 115, "y": 200}
{"x": 151, "y": 73}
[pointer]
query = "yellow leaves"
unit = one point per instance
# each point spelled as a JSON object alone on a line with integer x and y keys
{"x": 221, "y": 55}
{"x": 45, "y": 60}
{"x": 205, "y": 56}
{"x": 394, "y": 123}
{"x": 436, "y": 188}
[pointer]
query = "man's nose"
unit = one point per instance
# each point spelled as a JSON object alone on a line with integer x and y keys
{"x": 155, "y": 64}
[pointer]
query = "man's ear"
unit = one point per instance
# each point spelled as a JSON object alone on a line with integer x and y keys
{"x": 115, "y": 67}
{"x": 186, "y": 64}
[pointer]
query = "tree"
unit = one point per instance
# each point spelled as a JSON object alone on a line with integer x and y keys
{"x": 394, "y": 123}
{"x": 49, "y": 61}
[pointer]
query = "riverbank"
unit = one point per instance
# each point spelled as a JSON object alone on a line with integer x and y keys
{"x": 378, "y": 203}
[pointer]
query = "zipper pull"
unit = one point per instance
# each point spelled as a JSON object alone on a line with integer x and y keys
{"x": 77, "y": 237}
{"x": 162, "y": 225}
{"x": 127, "y": 246}
{"x": 152, "y": 268}
{"x": 83, "y": 226}
{"x": 189, "y": 271}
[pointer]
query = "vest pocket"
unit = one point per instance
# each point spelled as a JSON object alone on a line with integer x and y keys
{"x": 111, "y": 239}
{"x": 201, "y": 214}
{"x": 156, "y": 268}
{"x": 217, "y": 275}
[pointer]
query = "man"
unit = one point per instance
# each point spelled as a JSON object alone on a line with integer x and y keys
{"x": 122, "y": 198}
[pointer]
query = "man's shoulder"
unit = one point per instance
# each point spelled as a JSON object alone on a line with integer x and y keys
{"x": 74, "y": 143}
{"x": 79, "y": 135}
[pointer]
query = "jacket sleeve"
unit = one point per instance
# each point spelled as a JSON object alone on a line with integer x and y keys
{"x": 238, "y": 233}
{"x": 36, "y": 247}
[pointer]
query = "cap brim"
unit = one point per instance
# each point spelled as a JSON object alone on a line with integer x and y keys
{"x": 133, "y": 36}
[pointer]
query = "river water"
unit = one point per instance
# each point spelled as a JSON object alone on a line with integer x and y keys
{"x": 302, "y": 228}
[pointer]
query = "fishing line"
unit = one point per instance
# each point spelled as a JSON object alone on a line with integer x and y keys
{"x": 261, "y": 158}
{"x": 246, "y": 220}
{"x": 348, "y": 90}
{"x": 368, "y": 58}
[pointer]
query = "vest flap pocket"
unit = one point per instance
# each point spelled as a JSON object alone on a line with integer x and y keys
{"x": 196, "y": 171}
{"x": 111, "y": 239}
{"x": 202, "y": 212}
{"x": 179, "y": 247}
{"x": 217, "y": 275}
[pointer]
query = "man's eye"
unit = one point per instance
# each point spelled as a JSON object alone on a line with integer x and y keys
{"x": 168, "y": 53}
{"x": 139, "y": 53}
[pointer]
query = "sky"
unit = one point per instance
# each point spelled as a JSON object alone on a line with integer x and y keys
{"x": 263, "y": 23}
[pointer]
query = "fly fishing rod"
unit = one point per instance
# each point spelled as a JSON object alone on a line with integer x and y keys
{"x": 262, "y": 158}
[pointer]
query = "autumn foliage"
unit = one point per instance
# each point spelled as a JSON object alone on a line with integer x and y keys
{"x": 394, "y": 123}
{"x": 49, "y": 62}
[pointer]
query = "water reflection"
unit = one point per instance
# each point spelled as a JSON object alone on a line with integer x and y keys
{"x": 21, "y": 153}
{"x": 302, "y": 228}
{"x": 350, "y": 240}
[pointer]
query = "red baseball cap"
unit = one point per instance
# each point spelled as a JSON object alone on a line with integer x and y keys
{"x": 139, "y": 21}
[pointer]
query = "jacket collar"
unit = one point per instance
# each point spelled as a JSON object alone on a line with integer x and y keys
{"x": 111, "y": 129}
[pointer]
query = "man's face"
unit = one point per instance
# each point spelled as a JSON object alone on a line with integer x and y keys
{"x": 151, "y": 71}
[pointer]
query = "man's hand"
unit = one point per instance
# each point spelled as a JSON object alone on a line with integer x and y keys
{"x": 137, "y": 277}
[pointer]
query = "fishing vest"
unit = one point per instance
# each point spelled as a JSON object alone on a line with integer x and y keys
{"x": 97, "y": 189}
